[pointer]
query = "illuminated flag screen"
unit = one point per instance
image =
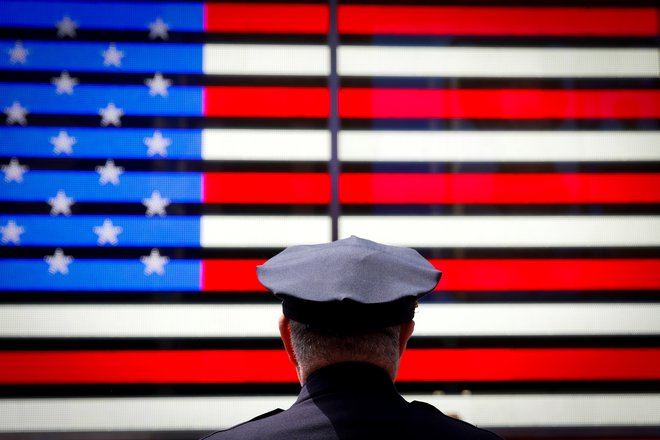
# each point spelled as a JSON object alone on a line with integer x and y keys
{"x": 153, "y": 153}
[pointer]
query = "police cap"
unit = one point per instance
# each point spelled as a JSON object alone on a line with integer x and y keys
{"x": 349, "y": 285}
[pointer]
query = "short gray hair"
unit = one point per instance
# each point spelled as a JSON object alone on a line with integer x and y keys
{"x": 313, "y": 347}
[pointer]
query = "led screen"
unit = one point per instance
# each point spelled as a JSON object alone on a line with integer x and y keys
{"x": 153, "y": 153}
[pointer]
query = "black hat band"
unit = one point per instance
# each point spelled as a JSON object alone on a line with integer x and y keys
{"x": 349, "y": 316}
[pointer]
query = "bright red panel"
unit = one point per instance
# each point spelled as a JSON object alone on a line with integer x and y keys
{"x": 447, "y": 20}
{"x": 499, "y": 188}
{"x": 251, "y": 187}
{"x": 483, "y": 274}
{"x": 548, "y": 274}
{"x": 145, "y": 366}
{"x": 260, "y": 366}
{"x": 231, "y": 275}
{"x": 266, "y": 18}
{"x": 513, "y": 364}
{"x": 275, "y": 102}
{"x": 498, "y": 104}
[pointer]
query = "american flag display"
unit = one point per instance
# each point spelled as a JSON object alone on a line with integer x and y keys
{"x": 153, "y": 153}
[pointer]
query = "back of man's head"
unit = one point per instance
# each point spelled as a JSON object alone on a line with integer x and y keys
{"x": 315, "y": 349}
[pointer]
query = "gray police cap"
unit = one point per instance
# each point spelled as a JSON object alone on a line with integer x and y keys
{"x": 349, "y": 285}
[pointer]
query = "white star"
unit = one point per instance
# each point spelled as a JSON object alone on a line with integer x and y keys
{"x": 66, "y": 27}
{"x": 157, "y": 29}
{"x": 109, "y": 172}
{"x": 108, "y": 232}
{"x": 154, "y": 263}
{"x": 14, "y": 171}
{"x": 64, "y": 83}
{"x": 158, "y": 85}
{"x": 157, "y": 144}
{"x": 111, "y": 114}
{"x": 58, "y": 262}
{"x": 18, "y": 54}
{"x": 63, "y": 143}
{"x": 60, "y": 204}
{"x": 11, "y": 233}
{"x": 16, "y": 114}
{"x": 112, "y": 56}
{"x": 156, "y": 204}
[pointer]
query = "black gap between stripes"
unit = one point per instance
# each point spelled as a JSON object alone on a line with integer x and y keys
{"x": 275, "y": 343}
{"x": 174, "y": 37}
{"x": 199, "y": 122}
{"x": 180, "y": 79}
{"x": 454, "y": 83}
{"x": 197, "y": 209}
{"x": 251, "y": 297}
{"x": 198, "y": 253}
{"x": 175, "y": 165}
{"x": 159, "y": 122}
{"x": 190, "y": 165}
{"x": 292, "y": 389}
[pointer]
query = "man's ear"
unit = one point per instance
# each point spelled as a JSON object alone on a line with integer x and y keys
{"x": 285, "y": 334}
{"x": 406, "y": 332}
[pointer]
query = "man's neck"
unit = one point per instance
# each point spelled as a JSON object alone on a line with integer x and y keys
{"x": 305, "y": 371}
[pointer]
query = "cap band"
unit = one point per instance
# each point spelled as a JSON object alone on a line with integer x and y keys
{"x": 349, "y": 316}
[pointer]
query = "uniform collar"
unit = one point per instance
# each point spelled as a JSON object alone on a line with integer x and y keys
{"x": 353, "y": 377}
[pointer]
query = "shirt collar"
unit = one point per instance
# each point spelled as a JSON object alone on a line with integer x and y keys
{"x": 353, "y": 377}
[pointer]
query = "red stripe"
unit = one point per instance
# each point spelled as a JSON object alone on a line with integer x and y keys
{"x": 142, "y": 366}
{"x": 276, "y": 102}
{"x": 499, "y": 188}
{"x": 549, "y": 274}
{"x": 498, "y": 104}
{"x": 482, "y": 274}
{"x": 501, "y": 364}
{"x": 231, "y": 275}
{"x": 266, "y": 188}
{"x": 260, "y": 366}
{"x": 266, "y": 18}
{"x": 446, "y": 20}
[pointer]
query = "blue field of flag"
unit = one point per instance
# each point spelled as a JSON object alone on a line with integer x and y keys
{"x": 84, "y": 186}
{"x": 99, "y": 142}
{"x": 88, "y": 56}
{"x": 81, "y": 275}
{"x": 103, "y": 15}
{"x": 44, "y": 230}
{"x": 90, "y": 99}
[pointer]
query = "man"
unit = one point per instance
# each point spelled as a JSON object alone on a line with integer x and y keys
{"x": 347, "y": 316}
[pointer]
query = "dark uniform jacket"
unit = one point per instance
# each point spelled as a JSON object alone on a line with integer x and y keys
{"x": 353, "y": 401}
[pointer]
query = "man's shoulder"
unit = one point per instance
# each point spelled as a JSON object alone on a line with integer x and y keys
{"x": 378, "y": 418}
{"x": 451, "y": 425}
{"x": 233, "y": 432}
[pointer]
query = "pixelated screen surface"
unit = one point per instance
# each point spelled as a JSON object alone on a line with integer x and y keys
{"x": 153, "y": 153}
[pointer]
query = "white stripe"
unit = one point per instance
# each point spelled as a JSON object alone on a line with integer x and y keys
{"x": 497, "y": 62}
{"x": 505, "y": 231}
{"x": 536, "y": 320}
{"x": 212, "y": 413}
{"x": 140, "y": 320}
{"x": 133, "y": 414}
{"x": 272, "y": 145}
{"x": 263, "y": 231}
{"x": 266, "y": 59}
{"x": 499, "y": 146}
{"x": 260, "y": 320}
{"x": 550, "y": 410}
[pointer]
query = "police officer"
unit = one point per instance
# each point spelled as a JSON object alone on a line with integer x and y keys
{"x": 348, "y": 310}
